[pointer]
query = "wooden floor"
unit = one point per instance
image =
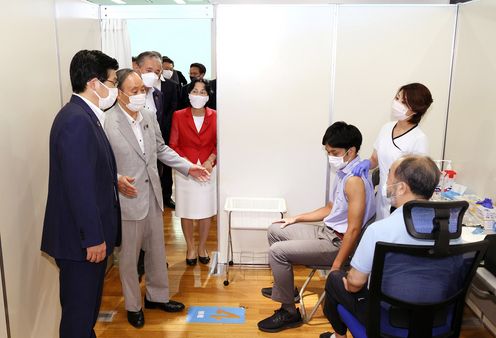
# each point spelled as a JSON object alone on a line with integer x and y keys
{"x": 194, "y": 286}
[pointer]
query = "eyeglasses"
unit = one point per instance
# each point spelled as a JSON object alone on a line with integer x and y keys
{"x": 114, "y": 83}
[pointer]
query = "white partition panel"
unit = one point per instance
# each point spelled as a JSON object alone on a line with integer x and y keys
{"x": 380, "y": 48}
{"x": 78, "y": 27}
{"x": 32, "y": 97}
{"x": 471, "y": 136}
{"x": 273, "y": 69}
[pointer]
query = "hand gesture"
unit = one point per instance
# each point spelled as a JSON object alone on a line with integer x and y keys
{"x": 126, "y": 187}
{"x": 200, "y": 173}
{"x": 285, "y": 221}
{"x": 97, "y": 253}
{"x": 208, "y": 165}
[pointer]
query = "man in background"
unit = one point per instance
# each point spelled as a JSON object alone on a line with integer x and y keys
{"x": 196, "y": 71}
{"x": 170, "y": 73}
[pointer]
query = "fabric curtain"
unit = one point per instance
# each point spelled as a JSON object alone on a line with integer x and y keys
{"x": 116, "y": 42}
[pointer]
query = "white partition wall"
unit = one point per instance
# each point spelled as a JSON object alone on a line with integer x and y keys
{"x": 471, "y": 136}
{"x": 273, "y": 69}
{"x": 32, "y": 96}
{"x": 78, "y": 26}
{"x": 379, "y": 49}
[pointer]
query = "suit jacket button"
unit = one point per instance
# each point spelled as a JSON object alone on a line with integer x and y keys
{"x": 146, "y": 180}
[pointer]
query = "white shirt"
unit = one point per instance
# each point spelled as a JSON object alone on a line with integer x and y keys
{"x": 198, "y": 122}
{"x": 150, "y": 103}
{"x": 136, "y": 127}
{"x": 100, "y": 115}
{"x": 389, "y": 150}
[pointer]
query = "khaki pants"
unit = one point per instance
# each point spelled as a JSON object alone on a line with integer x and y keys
{"x": 297, "y": 244}
{"x": 146, "y": 234}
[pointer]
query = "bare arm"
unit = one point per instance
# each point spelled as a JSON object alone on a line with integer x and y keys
{"x": 373, "y": 160}
{"x": 312, "y": 216}
{"x": 355, "y": 192}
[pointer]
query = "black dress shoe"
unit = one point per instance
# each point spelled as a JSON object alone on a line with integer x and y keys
{"x": 136, "y": 319}
{"x": 170, "y": 306}
{"x": 170, "y": 204}
{"x": 190, "y": 262}
{"x": 267, "y": 292}
{"x": 204, "y": 260}
{"x": 280, "y": 320}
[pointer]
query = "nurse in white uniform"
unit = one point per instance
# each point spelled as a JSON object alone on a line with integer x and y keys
{"x": 400, "y": 137}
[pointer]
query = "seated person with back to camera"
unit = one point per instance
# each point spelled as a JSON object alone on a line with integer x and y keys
{"x": 298, "y": 241}
{"x": 411, "y": 177}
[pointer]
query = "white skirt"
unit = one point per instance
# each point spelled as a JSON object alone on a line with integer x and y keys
{"x": 195, "y": 199}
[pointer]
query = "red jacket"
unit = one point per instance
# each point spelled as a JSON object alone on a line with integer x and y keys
{"x": 190, "y": 143}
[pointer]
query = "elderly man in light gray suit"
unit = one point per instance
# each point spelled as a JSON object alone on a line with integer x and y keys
{"x": 135, "y": 137}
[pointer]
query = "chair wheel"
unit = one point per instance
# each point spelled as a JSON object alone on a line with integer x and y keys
{"x": 226, "y": 283}
{"x": 231, "y": 263}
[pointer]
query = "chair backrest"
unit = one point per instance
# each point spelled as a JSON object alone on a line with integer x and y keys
{"x": 419, "y": 290}
{"x": 490, "y": 258}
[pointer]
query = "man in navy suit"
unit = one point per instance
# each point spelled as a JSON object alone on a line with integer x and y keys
{"x": 82, "y": 218}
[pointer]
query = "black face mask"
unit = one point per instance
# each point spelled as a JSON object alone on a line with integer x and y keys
{"x": 193, "y": 78}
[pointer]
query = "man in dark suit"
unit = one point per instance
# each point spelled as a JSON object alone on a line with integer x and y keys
{"x": 197, "y": 71}
{"x": 150, "y": 69}
{"x": 82, "y": 218}
{"x": 170, "y": 93}
{"x": 170, "y": 73}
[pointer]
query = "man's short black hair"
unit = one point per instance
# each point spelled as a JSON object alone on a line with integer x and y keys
{"x": 88, "y": 64}
{"x": 342, "y": 135}
{"x": 201, "y": 67}
{"x": 420, "y": 173}
{"x": 133, "y": 58}
{"x": 148, "y": 54}
{"x": 167, "y": 59}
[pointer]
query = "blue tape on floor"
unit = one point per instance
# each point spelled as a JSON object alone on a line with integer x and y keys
{"x": 216, "y": 315}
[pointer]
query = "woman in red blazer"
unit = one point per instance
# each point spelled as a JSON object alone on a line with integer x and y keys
{"x": 194, "y": 136}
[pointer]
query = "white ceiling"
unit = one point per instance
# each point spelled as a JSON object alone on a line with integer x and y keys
{"x": 202, "y": 2}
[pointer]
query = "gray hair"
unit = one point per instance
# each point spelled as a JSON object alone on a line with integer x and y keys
{"x": 122, "y": 75}
{"x": 420, "y": 173}
{"x": 140, "y": 59}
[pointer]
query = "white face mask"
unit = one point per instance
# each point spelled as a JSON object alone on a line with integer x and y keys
{"x": 136, "y": 102}
{"x": 107, "y": 102}
{"x": 399, "y": 110}
{"x": 198, "y": 101}
{"x": 167, "y": 73}
{"x": 337, "y": 162}
{"x": 149, "y": 79}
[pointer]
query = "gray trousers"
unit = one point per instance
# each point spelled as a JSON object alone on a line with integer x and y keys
{"x": 146, "y": 234}
{"x": 297, "y": 244}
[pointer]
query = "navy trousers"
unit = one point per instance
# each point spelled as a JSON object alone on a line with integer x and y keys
{"x": 81, "y": 285}
{"x": 336, "y": 294}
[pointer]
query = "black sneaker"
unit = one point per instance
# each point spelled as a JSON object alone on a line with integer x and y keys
{"x": 280, "y": 320}
{"x": 327, "y": 335}
{"x": 267, "y": 292}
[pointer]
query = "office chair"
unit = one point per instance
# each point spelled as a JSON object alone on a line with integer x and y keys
{"x": 418, "y": 291}
{"x": 313, "y": 268}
